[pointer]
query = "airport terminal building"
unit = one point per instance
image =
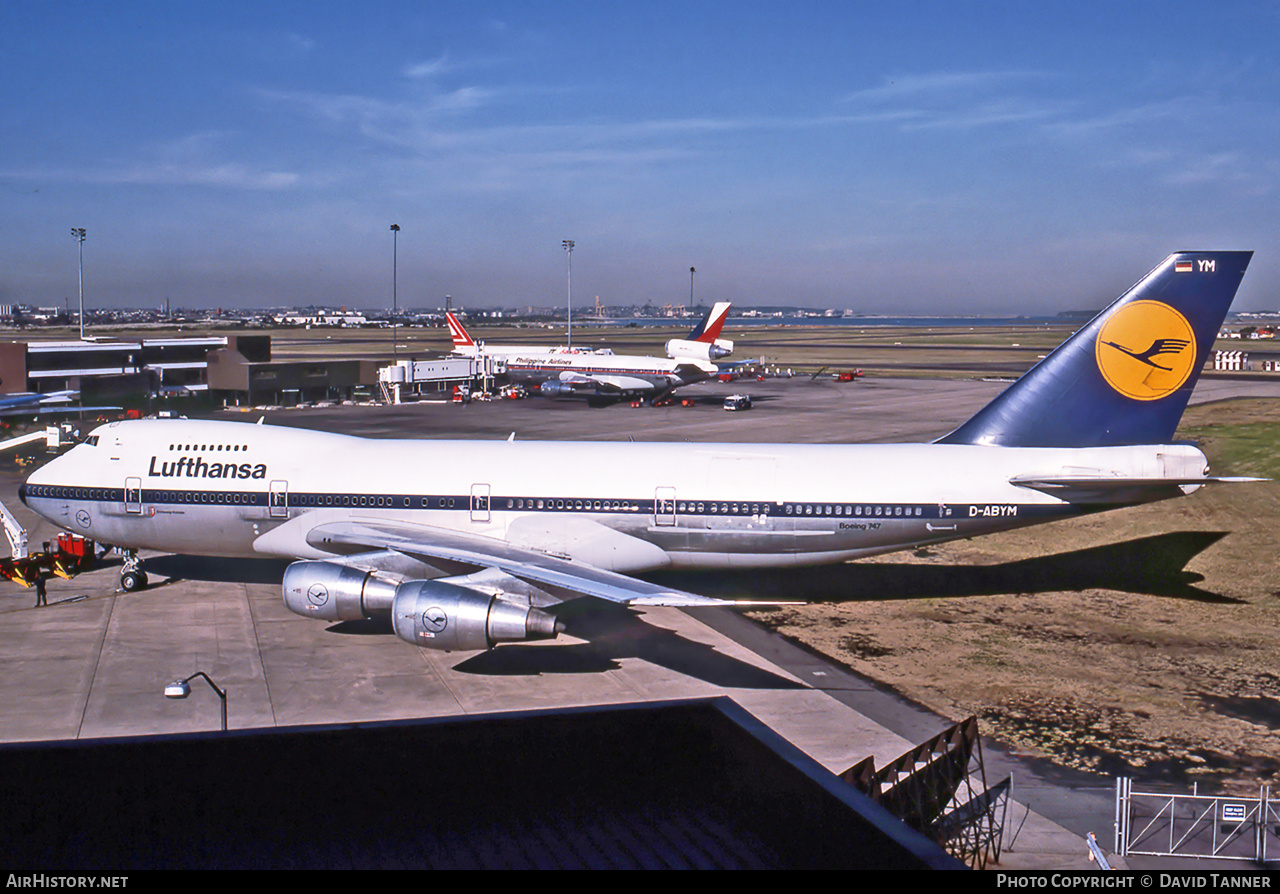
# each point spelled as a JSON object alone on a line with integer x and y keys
{"x": 101, "y": 365}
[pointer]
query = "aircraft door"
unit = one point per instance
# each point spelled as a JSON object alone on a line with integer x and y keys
{"x": 133, "y": 496}
{"x": 480, "y": 502}
{"x": 278, "y": 499}
{"x": 664, "y": 506}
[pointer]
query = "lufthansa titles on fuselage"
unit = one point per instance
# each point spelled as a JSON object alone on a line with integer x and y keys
{"x": 197, "y": 467}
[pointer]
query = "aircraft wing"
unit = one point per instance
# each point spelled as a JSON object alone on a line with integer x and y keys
{"x": 47, "y": 410}
{"x": 607, "y": 382}
{"x": 732, "y": 365}
{"x": 695, "y": 368}
{"x": 431, "y": 543}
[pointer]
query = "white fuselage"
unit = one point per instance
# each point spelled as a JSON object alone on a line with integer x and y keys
{"x": 237, "y": 489}
{"x": 603, "y": 368}
{"x": 618, "y": 372}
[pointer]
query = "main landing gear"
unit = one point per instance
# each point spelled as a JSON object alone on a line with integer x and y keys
{"x": 132, "y": 577}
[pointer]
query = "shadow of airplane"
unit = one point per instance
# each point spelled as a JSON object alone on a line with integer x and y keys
{"x": 612, "y": 633}
{"x": 231, "y": 571}
{"x": 1153, "y": 566}
{"x": 1149, "y": 565}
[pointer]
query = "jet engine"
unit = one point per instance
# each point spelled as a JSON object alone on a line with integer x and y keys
{"x": 683, "y": 349}
{"x": 427, "y": 613}
{"x": 553, "y": 388}
{"x": 436, "y": 615}
{"x": 333, "y": 592}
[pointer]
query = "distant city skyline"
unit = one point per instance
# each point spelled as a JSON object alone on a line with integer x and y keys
{"x": 911, "y": 157}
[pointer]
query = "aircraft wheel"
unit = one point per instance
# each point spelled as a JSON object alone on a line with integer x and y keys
{"x": 132, "y": 581}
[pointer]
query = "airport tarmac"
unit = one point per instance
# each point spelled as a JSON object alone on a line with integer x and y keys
{"x": 94, "y": 662}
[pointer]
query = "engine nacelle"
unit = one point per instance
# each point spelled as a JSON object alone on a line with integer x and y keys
{"x": 333, "y": 592}
{"x": 682, "y": 348}
{"x": 552, "y": 388}
{"x": 449, "y": 618}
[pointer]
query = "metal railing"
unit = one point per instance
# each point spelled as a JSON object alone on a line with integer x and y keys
{"x": 1223, "y": 827}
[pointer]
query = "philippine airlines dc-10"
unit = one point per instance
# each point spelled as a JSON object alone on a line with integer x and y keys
{"x": 575, "y": 372}
{"x": 470, "y": 543}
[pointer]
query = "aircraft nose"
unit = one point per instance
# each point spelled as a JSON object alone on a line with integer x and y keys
{"x": 40, "y": 476}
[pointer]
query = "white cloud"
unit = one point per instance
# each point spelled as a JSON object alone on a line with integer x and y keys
{"x": 427, "y": 69}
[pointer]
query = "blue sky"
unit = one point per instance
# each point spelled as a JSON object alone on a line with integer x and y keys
{"x": 887, "y": 157}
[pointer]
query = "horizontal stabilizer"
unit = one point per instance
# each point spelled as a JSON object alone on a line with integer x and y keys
{"x": 1110, "y": 488}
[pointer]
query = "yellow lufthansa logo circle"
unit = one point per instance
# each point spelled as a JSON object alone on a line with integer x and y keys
{"x": 1146, "y": 350}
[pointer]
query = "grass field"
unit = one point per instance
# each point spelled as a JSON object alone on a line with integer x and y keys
{"x": 1141, "y": 642}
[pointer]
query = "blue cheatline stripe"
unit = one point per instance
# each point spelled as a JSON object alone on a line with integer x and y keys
{"x": 686, "y": 508}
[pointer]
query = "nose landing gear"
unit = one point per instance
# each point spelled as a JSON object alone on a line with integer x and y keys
{"x": 132, "y": 577}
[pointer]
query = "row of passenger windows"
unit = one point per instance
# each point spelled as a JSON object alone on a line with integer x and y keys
{"x": 589, "y": 505}
{"x": 209, "y": 447}
{"x": 188, "y": 496}
{"x": 827, "y": 509}
{"x": 132, "y": 495}
{"x": 74, "y": 493}
{"x": 530, "y": 503}
{"x": 353, "y": 500}
{"x": 715, "y": 508}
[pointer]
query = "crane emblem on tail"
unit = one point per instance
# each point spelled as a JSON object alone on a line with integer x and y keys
{"x": 1162, "y": 367}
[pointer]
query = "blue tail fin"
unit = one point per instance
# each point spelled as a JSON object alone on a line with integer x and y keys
{"x": 1126, "y": 377}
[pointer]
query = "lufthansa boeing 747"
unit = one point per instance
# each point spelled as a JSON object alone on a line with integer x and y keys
{"x": 467, "y": 544}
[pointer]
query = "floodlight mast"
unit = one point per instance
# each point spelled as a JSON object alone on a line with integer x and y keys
{"x": 395, "y": 302}
{"x": 78, "y": 233}
{"x": 568, "y": 247}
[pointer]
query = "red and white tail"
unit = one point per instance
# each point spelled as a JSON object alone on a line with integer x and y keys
{"x": 704, "y": 341}
{"x": 709, "y": 329}
{"x": 461, "y": 341}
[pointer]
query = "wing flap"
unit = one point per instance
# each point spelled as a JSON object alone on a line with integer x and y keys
{"x": 430, "y": 543}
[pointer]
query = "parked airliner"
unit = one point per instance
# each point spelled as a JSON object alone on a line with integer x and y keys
{"x": 467, "y": 544}
{"x": 33, "y": 403}
{"x": 578, "y": 372}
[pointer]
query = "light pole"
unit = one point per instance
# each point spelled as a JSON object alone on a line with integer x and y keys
{"x": 78, "y": 233}
{"x": 691, "y": 290}
{"x": 395, "y": 302}
{"x": 568, "y": 247}
{"x": 182, "y": 688}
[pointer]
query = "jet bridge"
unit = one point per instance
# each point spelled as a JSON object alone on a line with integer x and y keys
{"x": 413, "y": 378}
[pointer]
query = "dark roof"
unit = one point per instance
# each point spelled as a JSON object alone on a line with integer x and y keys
{"x": 679, "y": 784}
